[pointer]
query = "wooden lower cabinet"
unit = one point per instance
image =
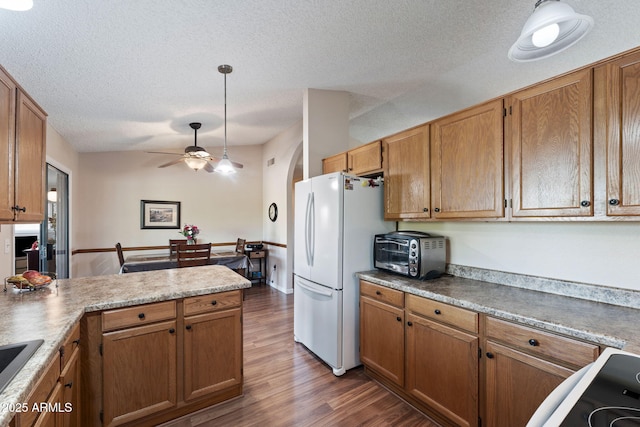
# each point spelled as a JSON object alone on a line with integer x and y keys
{"x": 382, "y": 338}
{"x": 442, "y": 369}
{"x": 516, "y": 384}
{"x": 139, "y": 371}
{"x": 460, "y": 367}
{"x": 212, "y": 353}
{"x": 152, "y": 363}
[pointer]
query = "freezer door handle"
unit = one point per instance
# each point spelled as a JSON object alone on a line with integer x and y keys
{"x": 307, "y": 236}
{"x": 312, "y": 241}
{"x": 313, "y": 290}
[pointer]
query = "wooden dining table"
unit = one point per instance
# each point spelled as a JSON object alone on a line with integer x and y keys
{"x": 163, "y": 261}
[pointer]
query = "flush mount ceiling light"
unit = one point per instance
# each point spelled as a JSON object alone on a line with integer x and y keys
{"x": 225, "y": 165}
{"x": 17, "y": 5}
{"x": 552, "y": 27}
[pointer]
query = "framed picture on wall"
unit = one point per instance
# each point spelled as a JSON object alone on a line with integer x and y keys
{"x": 158, "y": 214}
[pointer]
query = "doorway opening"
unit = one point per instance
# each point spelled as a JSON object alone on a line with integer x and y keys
{"x": 54, "y": 230}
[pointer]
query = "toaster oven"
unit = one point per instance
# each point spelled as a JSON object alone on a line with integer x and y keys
{"x": 411, "y": 253}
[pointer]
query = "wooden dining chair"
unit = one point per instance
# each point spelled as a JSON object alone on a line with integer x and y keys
{"x": 173, "y": 246}
{"x": 193, "y": 255}
{"x": 120, "y": 254}
{"x": 240, "y": 246}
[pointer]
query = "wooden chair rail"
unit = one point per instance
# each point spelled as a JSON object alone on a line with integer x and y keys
{"x": 155, "y": 248}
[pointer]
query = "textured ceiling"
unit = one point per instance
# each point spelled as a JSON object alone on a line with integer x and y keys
{"x": 130, "y": 75}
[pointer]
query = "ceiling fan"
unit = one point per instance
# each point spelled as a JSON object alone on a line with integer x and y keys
{"x": 195, "y": 157}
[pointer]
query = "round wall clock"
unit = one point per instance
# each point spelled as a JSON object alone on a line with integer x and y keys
{"x": 273, "y": 212}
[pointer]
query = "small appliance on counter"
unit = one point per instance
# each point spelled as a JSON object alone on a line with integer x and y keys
{"x": 410, "y": 253}
{"x": 254, "y": 246}
{"x": 605, "y": 393}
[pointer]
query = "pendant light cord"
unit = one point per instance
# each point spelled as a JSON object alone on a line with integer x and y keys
{"x": 225, "y": 114}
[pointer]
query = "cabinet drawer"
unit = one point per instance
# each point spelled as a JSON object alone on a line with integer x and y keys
{"x": 382, "y": 293}
{"x": 138, "y": 315}
{"x": 212, "y": 302}
{"x": 445, "y": 313}
{"x": 71, "y": 343}
{"x": 534, "y": 341}
{"x": 256, "y": 254}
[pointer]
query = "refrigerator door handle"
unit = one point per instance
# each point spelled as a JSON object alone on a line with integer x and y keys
{"x": 312, "y": 240}
{"x": 307, "y": 229}
{"x": 315, "y": 291}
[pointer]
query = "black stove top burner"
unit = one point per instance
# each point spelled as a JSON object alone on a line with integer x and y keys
{"x": 613, "y": 397}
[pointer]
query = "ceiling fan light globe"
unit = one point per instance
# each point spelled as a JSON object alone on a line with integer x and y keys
{"x": 545, "y": 36}
{"x": 572, "y": 27}
{"x": 16, "y": 5}
{"x": 195, "y": 163}
{"x": 224, "y": 166}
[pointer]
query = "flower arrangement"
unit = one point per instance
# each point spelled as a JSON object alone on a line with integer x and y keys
{"x": 190, "y": 232}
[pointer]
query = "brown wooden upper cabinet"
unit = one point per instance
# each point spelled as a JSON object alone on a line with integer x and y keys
{"x": 552, "y": 148}
{"x": 467, "y": 163}
{"x": 23, "y": 132}
{"x": 406, "y": 175}
{"x": 363, "y": 160}
{"x": 617, "y": 124}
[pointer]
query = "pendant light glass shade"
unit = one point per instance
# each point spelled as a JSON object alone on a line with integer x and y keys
{"x": 552, "y": 27}
{"x": 195, "y": 163}
{"x": 17, "y": 5}
{"x": 224, "y": 166}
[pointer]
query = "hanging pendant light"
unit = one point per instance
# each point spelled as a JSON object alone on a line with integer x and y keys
{"x": 224, "y": 165}
{"x": 552, "y": 27}
{"x": 17, "y": 5}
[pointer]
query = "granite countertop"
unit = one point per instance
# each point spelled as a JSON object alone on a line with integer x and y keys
{"x": 51, "y": 312}
{"x": 600, "y": 322}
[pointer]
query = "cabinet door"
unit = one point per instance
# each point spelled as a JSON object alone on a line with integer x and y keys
{"x": 551, "y": 148}
{"x": 467, "y": 163}
{"x": 70, "y": 380}
{"x": 406, "y": 175}
{"x": 31, "y": 131}
{"x": 212, "y": 353}
{"x": 52, "y": 418}
{"x": 516, "y": 384}
{"x": 442, "y": 369}
{"x": 365, "y": 159}
{"x": 7, "y": 140}
{"x": 337, "y": 163}
{"x": 618, "y": 118}
{"x": 139, "y": 372}
{"x": 382, "y": 339}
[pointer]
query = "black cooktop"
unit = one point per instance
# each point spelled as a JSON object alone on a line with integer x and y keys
{"x": 613, "y": 397}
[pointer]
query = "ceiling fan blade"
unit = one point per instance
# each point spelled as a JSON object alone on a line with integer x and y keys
{"x": 209, "y": 168}
{"x": 164, "y": 152}
{"x": 172, "y": 162}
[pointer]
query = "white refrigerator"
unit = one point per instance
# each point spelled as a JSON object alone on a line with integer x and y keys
{"x": 336, "y": 219}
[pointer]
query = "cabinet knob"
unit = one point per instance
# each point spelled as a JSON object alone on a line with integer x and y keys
{"x": 489, "y": 355}
{"x": 172, "y": 331}
{"x": 188, "y": 327}
{"x": 425, "y": 209}
{"x": 409, "y": 323}
{"x": 614, "y": 202}
{"x": 214, "y": 302}
{"x": 436, "y": 311}
{"x": 378, "y": 293}
{"x": 77, "y": 342}
{"x": 534, "y": 342}
{"x": 141, "y": 316}
{"x": 436, "y": 210}
{"x": 585, "y": 203}
{"x": 399, "y": 319}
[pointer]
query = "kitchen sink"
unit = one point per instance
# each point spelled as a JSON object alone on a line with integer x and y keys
{"x": 13, "y": 357}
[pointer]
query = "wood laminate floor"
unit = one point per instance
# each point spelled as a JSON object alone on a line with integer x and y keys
{"x": 285, "y": 385}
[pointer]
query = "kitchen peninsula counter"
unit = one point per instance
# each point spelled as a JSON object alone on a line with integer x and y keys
{"x": 611, "y": 320}
{"x": 50, "y": 313}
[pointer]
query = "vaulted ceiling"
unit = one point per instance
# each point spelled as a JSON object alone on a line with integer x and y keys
{"x": 130, "y": 75}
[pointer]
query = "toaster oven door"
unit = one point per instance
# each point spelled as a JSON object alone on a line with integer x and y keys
{"x": 392, "y": 254}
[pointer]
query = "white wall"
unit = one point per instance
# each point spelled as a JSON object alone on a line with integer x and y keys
{"x": 596, "y": 253}
{"x": 112, "y": 185}
{"x": 284, "y": 149}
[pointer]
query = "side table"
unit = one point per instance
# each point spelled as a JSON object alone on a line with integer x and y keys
{"x": 260, "y": 275}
